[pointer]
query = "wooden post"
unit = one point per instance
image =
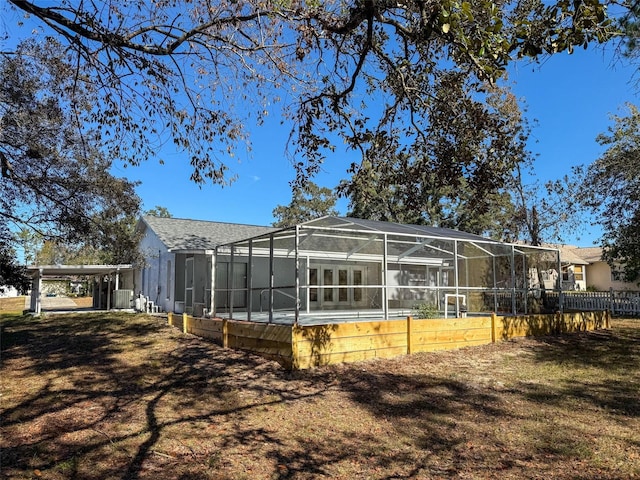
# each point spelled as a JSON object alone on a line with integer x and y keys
{"x": 225, "y": 333}
{"x": 409, "y": 332}
{"x": 185, "y": 318}
{"x": 494, "y": 321}
{"x": 295, "y": 354}
{"x": 170, "y": 318}
{"x": 611, "y": 305}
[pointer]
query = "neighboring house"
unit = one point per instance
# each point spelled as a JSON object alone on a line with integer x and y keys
{"x": 601, "y": 276}
{"x": 574, "y": 268}
{"x": 179, "y": 257}
{"x": 339, "y": 266}
{"x": 584, "y": 268}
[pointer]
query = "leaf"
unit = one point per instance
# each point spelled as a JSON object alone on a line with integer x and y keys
{"x": 445, "y": 28}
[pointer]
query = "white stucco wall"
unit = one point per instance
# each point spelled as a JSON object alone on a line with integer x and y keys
{"x": 151, "y": 278}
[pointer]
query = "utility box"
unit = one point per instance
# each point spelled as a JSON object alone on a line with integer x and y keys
{"x": 122, "y": 299}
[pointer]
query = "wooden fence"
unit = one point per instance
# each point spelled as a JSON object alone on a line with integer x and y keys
{"x": 307, "y": 346}
{"x": 617, "y": 302}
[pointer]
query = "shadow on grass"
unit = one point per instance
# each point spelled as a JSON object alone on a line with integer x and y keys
{"x": 86, "y": 373}
{"x": 116, "y": 392}
{"x": 602, "y": 368}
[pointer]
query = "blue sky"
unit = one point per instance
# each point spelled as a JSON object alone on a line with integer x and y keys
{"x": 570, "y": 97}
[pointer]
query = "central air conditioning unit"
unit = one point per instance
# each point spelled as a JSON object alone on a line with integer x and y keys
{"x": 122, "y": 299}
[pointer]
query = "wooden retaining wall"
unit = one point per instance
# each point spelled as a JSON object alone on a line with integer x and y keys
{"x": 300, "y": 347}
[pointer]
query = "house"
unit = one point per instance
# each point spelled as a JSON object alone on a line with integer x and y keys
{"x": 601, "y": 276}
{"x": 179, "y": 260}
{"x": 583, "y": 268}
{"x": 574, "y": 268}
{"x": 335, "y": 267}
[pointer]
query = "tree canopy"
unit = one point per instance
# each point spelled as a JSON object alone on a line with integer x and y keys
{"x": 307, "y": 202}
{"x": 55, "y": 177}
{"x": 458, "y": 173}
{"x": 200, "y": 72}
{"x": 612, "y": 189}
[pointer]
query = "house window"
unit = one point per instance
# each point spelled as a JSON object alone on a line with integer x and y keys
{"x": 336, "y": 285}
{"x": 357, "y": 280}
{"x": 578, "y": 273}
{"x": 343, "y": 291}
{"x": 313, "y": 280}
{"x": 617, "y": 275}
{"x": 168, "y": 278}
{"x": 328, "y": 280}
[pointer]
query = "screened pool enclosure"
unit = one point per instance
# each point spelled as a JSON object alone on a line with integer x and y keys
{"x": 342, "y": 269}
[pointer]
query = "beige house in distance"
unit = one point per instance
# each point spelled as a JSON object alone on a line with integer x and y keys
{"x": 583, "y": 268}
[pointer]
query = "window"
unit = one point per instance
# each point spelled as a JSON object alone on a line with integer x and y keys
{"x": 313, "y": 280}
{"x": 343, "y": 295}
{"x": 328, "y": 280}
{"x": 336, "y": 284}
{"x": 168, "y": 279}
{"x": 188, "y": 282}
{"x": 357, "y": 280}
{"x": 578, "y": 273}
{"x": 617, "y": 275}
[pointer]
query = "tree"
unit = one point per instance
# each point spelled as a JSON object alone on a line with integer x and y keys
{"x": 159, "y": 211}
{"x": 543, "y": 213}
{"x": 612, "y": 190}
{"x": 177, "y": 68}
{"x": 457, "y": 174}
{"x": 308, "y": 202}
{"x": 31, "y": 243}
{"x": 11, "y": 274}
{"x": 630, "y": 28}
{"x": 55, "y": 175}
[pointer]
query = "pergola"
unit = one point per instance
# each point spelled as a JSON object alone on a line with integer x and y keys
{"x": 352, "y": 268}
{"x": 109, "y": 272}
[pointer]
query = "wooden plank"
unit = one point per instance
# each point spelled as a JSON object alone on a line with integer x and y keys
{"x": 440, "y": 346}
{"x": 429, "y": 325}
{"x": 211, "y": 335}
{"x": 457, "y": 336}
{"x": 347, "y": 344}
{"x": 357, "y": 329}
{"x": 271, "y": 351}
{"x": 255, "y": 343}
{"x": 346, "y": 357}
{"x": 281, "y": 333}
{"x": 525, "y": 325}
{"x": 208, "y": 324}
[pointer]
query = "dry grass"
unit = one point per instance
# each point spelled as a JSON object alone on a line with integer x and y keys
{"x": 125, "y": 397}
{"x": 83, "y": 302}
{"x": 12, "y": 304}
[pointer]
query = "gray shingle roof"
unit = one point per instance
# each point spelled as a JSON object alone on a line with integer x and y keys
{"x": 589, "y": 254}
{"x": 184, "y": 234}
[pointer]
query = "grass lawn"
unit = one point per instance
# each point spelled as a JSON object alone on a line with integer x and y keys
{"x": 12, "y": 305}
{"x": 116, "y": 396}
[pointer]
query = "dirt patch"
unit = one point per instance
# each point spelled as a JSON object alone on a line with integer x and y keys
{"x": 115, "y": 396}
{"x": 83, "y": 302}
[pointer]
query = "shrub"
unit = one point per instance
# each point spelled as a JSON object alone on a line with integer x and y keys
{"x": 426, "y": 310}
